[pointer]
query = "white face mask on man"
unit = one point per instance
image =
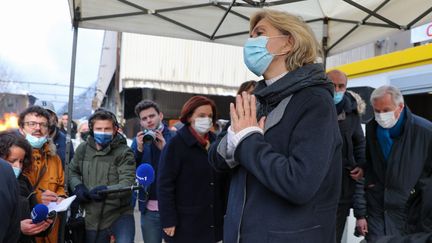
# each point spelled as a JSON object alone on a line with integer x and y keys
{"x": 386, "y": 119}
{"x": 202, "y": 124}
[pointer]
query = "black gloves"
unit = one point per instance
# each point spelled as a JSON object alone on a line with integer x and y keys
{"x": 85, "y": 196}
{"x": 94, "y": 195}
{"x": 82, "y": 193}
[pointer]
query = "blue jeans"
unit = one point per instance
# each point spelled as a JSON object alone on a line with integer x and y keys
{"x": 151, "y": 227}
{"x": 123, "y": 230}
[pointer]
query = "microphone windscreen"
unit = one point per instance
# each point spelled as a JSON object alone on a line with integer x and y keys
{"x": 39, "y": 213}
{"x": 145, "y": 174}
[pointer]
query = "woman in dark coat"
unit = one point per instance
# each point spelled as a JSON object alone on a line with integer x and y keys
{"x": 283, "y": 146}
{"x": 191, "y": 194}
{"x": 17, "y": 151}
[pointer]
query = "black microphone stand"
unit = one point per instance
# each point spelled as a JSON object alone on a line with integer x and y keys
{"x": 109, "y": 191}
{"x": 123, "y": 189}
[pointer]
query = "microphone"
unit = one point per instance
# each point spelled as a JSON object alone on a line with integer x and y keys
{"x": 39, "y": 213}
{"x": 145, "y": 174}
{"x": 144, "y": 177}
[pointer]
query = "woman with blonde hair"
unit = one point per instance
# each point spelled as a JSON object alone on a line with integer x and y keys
{"x": 284, "y": 152}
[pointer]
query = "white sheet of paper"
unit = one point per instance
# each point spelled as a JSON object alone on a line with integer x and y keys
{"x": 62, "y": 206}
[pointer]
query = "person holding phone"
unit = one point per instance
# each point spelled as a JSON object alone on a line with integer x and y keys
{"x": 17, "y": 152}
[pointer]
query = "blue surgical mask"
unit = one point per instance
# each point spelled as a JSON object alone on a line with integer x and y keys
{"x": 36, "y": 142}
{"x": 103, "y": 138}
{"x": 338, "y": 96}
{"x": 256, "y": 56}
{"x": 17, "y": 171}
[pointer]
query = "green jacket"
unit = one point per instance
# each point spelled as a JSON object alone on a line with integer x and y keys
{"x": 113, "y": 166}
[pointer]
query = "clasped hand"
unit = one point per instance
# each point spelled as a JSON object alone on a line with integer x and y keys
{"x": 243, "y": 114}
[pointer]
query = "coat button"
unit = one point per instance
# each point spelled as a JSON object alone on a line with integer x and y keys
{"x": 211, "y": 226}
{"x": 211, "y": 183}
{"x": 211, "y": 205}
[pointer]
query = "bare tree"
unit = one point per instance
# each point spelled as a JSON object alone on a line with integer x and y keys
{"x": 7, "y": 75}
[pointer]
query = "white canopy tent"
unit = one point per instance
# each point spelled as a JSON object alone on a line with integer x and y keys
{"x": 338, "y": 24}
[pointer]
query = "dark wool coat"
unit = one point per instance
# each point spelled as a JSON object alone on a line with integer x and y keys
{"x": 418, "y": 228}
{"x": 191, "y": 194}
{"x": 27, "y": 201}
{"x": 9, "y": 198}
{"x": 353, "y": 152}
{"x": 285, "y": 184}
{"x": 389, "y": 183}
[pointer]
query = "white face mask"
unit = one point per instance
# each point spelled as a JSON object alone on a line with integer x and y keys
{"x": 386, "y": 119}
{"x": 202, "y": 124}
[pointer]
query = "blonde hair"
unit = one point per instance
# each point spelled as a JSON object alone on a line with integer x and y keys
{"x": 306, "y": 48}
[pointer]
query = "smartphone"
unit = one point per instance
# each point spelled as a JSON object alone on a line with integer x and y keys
{"x": 52, "y": 215}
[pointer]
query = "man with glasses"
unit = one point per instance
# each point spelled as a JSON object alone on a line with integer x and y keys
{"x": 55, "y": 134}
{"x": 46, "y": 175}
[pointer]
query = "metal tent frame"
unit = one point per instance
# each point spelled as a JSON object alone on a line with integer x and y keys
{"x": 227, "y": 8}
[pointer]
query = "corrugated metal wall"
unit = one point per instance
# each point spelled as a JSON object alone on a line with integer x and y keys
{"x": 356, "y": 54}
{"x": 181, "y": 65}
{"x": 107, "y": 67}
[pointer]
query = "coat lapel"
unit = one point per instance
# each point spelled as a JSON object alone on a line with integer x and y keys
{"x": 276, "y": 114}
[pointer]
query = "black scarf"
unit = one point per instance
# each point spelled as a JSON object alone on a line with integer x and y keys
{"x": 294, "y": 81}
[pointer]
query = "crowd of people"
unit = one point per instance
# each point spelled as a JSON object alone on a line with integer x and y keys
{"x": 288, "y": 167}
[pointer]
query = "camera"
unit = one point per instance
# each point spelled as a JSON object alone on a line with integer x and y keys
{"x": 149, "y": 136}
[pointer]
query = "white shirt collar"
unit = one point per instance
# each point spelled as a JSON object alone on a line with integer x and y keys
{"x": 272, "y": 80}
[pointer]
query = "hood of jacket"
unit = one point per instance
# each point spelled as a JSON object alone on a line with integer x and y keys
{"x": 293, "y": 81}
{"x": 358, "y": 103}
{"x": 351, "y": 103}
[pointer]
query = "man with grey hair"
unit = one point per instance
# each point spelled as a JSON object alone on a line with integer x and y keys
{"x": 398, "y": 155}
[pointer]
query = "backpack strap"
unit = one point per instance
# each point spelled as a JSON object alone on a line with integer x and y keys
{"x": 41, "y": 174}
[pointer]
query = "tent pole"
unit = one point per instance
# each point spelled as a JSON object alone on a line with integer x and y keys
{"x": 325, "y": 40}
{"x": 69, "y": 127}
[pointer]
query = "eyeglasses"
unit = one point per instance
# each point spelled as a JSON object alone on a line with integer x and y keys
{"x": 32, "y": 124}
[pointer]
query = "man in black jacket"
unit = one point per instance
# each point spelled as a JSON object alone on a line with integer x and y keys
{"x": 9, "y": 192}
{"x": 398, "y": 154}
{"x": 418, "y": 228}
{"x": 353, "y": 151}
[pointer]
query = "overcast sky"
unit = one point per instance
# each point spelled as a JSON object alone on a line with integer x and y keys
{"x": 36, "y": 44}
